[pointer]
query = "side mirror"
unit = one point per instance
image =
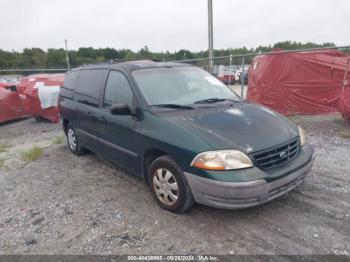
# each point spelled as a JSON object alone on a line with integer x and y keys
{"x": 120, "y": 109}
{"x": 13, "y": 88}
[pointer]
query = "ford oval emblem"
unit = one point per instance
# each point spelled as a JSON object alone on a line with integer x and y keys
{"x": 283, "y": 154}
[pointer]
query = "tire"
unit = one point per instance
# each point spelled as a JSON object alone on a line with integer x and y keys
{"x": 73, "y": 143}
{"x": 163, "y": 191}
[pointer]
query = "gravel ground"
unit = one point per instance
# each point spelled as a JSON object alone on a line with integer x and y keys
{"x": 64, "y": 204}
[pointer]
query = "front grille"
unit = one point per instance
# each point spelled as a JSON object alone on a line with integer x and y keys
{"x": 277, "y": 156}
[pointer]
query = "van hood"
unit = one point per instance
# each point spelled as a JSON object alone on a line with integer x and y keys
{"x": 244, "y": 126}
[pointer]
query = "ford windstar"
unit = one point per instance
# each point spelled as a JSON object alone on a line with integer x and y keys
{"x": 186, "y": 133}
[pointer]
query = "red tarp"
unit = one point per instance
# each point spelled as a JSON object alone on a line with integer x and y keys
{"x": 309, "y": 82}
{"x": 41, "y": 91}
{"x": 11, "y": 105}
{"x": 3, "y": 84}
{"x": 36, "y": 96}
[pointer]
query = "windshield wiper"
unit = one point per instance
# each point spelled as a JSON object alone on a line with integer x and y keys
{"x": 175, "y": 106}
{"x": 213, "y": 100}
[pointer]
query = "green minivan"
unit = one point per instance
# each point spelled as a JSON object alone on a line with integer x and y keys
{"x": 187, "y": 134}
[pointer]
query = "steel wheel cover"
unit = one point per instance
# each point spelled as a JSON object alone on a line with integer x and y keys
{"x": 165, "y": 186}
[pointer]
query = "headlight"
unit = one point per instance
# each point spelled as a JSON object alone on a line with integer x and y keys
{"x": 222, "y": 160}
{"x": 302, "y": 136}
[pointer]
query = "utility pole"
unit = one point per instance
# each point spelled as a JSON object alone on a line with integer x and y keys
{"x": 67, "y": 57}
{"x": 210, "y": 34}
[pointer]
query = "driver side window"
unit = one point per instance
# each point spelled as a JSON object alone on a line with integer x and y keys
{"x": 117, "y": 90}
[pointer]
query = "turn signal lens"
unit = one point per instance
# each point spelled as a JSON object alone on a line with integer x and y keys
{"x": 302, "y": 136}
{"x": 222, "y": 160}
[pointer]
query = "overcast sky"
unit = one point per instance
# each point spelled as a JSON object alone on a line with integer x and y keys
{"x": 170, "y": 24}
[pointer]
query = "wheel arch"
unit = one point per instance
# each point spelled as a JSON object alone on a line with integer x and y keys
{"x": 65, "y": 125}
{"x": 148, "y": 157}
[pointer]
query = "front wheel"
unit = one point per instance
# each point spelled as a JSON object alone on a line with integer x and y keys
{"x": 169, "y": 186}
{"x": 73, "y": 142}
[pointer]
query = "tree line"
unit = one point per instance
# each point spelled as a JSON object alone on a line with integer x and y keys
{"x": 56, "y": 58}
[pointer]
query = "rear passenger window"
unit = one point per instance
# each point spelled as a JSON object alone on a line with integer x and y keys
{"x": 117, "y": 90}
{"x": 71, "y": 79}
{"x": 89, "y": 86}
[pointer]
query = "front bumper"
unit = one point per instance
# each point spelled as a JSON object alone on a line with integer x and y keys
{"x": 236, "y": 195}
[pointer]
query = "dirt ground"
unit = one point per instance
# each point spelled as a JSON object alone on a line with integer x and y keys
{"x": 64, "y": 204}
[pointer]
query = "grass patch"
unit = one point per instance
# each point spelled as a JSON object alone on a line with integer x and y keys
{"x": 339, "y": 121}
{"x": 32, "y": 154}
{"x": 58, "y": 140}
{"x": 4, "y": 147}
{"x": 344, "y": 134}
{"x": 2, "y": 161}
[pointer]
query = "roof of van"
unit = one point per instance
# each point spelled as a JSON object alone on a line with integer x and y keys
{"x": 129, "y": 65}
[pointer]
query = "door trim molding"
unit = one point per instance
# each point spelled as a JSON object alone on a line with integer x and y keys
{"x": 86, "y": 133}
{"x": 119, "y": 148}
{"x": 107, "y": 143}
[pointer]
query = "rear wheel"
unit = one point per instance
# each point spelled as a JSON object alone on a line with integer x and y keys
{"x": 169, "y": 186}
{"x": 73, "y": 142}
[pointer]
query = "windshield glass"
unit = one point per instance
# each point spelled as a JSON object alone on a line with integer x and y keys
{"x": 180, "y": 86}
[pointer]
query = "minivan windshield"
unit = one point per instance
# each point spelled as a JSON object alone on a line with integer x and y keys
{"x": 181, "y": 86}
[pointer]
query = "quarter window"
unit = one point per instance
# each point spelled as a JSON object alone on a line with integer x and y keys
{"x": 71, "y": 79}
{"x": 118, "y": 90}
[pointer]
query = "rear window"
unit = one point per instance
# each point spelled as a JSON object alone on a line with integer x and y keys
{"x": 71, "y": 79}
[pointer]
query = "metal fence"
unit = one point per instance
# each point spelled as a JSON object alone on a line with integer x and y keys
{"x": 233, "y": 69}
